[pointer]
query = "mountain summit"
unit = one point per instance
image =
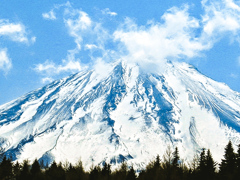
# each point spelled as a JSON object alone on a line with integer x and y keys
{"x": 127, "y": 114}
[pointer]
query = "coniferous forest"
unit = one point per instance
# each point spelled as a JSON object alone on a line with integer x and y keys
{"x": 169, "y": 167}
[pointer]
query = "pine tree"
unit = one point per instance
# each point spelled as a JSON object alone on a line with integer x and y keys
{"x": 95, "y": 173}
{"x": 157, "y": 162}
{"x": 237, "y": 174}
{"x": 210, "y": 166}
{"x": 176, "y": 158}
{"x": 71, "y": 173}
{"x": 131, "y": 174}
{"x": 35, "y": 167}
{"x": 106, "y": 171}
{"x": 25, "y": 171}
{"x": 16, "y": 170}
{"x": 56, "y": 172}
{"x": 35, "y": 171}
{"x": 82, "y": 175}
{"x": 202, "y": 165}
{"x": 177, "y": 171}
{"x": 6, "y": 169}
{"x": 228, "y": 164}
{"x": 152, "y": 170}
{"x": 121, "y": 173}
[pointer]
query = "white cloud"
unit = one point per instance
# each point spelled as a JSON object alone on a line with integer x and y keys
{"x": 108, "y": 12}
{"x": 85, "y": 32}
{"x": 81, "y": 22}
{"x": 47, "y": 80}
{"x": 177, "y": 36}
{"x": 220, "y": 17}
{"x": 51, "y": 15}
{"x": 82, "y": 28}
{"x": 102, "y": 68}
{"x": 14, "y": 31}
{"x": 90, "y": 46}
{"x": 77, "y": 23}
{"x": 49, "y": 68}
{"x": 174, "y": 38}
{"x": 231, "y": 4}
{"x": 5, "y": 61}
{"x": 73, "y": 66}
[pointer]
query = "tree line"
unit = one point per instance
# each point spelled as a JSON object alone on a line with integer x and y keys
{"x": 170, "y": 167}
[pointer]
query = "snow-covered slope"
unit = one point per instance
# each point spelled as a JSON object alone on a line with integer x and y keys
{"x": 126, "y": 114}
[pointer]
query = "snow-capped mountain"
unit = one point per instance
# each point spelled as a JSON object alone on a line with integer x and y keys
{"x": 126, "y": 114}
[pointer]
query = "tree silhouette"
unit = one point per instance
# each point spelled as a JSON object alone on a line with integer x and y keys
{"x": 121, "y": 173}
{"x": 176, "y": 158}
{"x": 95, "y": 173}
{"x": 238, "y": 162}
{"x": 157, "y": 162}
{"x": 6, "y": 169}
{"x": 210, "y": 166}
{"x": 170, "y": 168}
{"x": 25, "y": 171}
{"x": 35, "y": 171}
{"x": 16, "y": 170}
{"x": 106, "y": 171}
{"x": 131, "y": 174}
{"x": 56, "y": 172}
{"x": 228, "y": 164}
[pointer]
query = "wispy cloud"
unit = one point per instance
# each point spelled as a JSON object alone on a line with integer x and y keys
{"x": 180, "y": 35}
{"x": 108, "y": 12}
{"x": 5, "y": 61}
{"x": 174, "y": 38}
{"x": 15, "y": 32}
{"x": 51, "y": 15}
{"x": 77, "y": 23}
{"x": 47, "y": 80}
{"x": 220, "y": 17}
{"x": 87, "y": 34}
{"x": 49, "y": 68}
{"x": 90, "y": 46}
{"x": 177, "y": 36}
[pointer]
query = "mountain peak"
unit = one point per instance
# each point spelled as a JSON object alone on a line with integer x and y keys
{"x": 121, "y": 112}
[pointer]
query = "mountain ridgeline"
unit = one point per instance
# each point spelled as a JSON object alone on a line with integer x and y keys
{"x": 126, "y": 114}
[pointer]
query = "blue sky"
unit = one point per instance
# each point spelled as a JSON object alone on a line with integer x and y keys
{"x": 41, "y": 41}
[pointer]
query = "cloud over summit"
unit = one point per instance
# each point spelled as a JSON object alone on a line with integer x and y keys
{"x": 176, "y": 36}
{"x": 5, "y": 61}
